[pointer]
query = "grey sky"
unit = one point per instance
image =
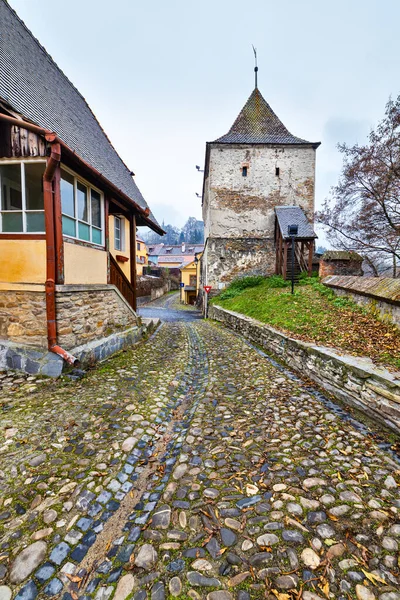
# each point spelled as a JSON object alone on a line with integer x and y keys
{"x": 164, "y": 77}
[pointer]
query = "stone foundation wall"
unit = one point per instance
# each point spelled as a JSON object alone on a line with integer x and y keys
{"x": 226, "y": 259}
{"x": 23, "y": 317}
{"x": 86, "y": 313}
{"x": 356, "y": 381}
{"x": 339, "y": 267}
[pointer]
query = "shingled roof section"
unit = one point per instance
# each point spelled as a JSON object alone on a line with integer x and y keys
{"x": 258, "y": 124}
{"x": 293, "y": 215}
{"x": 33, "y": 85}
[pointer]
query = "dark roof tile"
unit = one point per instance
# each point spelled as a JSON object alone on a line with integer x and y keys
{"x": 34, "y": 86}
{"x": 258, "y": 124}
{"x": 294, "y": 215}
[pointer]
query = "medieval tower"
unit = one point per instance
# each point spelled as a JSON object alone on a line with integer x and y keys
{"x": 249, "y": 172}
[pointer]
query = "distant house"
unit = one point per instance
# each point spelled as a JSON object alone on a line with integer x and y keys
{"x": 190, "y": 280}
{"x": 69, "y": 209}
{"x": 165, "y": 256}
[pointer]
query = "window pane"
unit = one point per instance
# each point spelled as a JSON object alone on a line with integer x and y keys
{"x": 84, "y": 232}
{"x": 68, "y": 226}
{"x": 82, "y": 203}
{"x": 33, "y": 186}
{"x": 117, "y": 233}
{"x": 12, "y": 221}
{"x": 35, "y": 221}
{"x": 11, "y": 196}
{"x": 96, "y": 204}
{"x": 67, "y": 194}
{"x": 96, "y": 236}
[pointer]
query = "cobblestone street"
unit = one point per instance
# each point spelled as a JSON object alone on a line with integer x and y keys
{"x": 190, "y": 466}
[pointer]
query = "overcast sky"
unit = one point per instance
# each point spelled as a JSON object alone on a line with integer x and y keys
{"x": 165, "y": 76}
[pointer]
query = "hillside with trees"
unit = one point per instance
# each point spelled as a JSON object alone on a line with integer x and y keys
{"x": 192, "y": 233}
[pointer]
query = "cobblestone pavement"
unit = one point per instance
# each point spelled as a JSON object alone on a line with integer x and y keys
{"x": 191, "y": 467}
{"x": 168, "y": 308}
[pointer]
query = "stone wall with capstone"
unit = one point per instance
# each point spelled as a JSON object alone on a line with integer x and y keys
{"x": 353, "y": 380}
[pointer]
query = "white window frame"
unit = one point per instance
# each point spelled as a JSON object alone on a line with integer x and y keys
{"x": 75, "y": 218}
{"x": 121, "y": 233}
{"x": 23, "y": 194}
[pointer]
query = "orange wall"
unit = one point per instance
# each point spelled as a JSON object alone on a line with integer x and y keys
{"x": 23, "y": 261}
{"x": 84, "y": 265}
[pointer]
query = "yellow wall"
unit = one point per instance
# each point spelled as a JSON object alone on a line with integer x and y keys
{"x": 168, "y": 265}
{"x": 125, "y": 266}
{"x": 23, "y": 261}
{"x": 84, "y": 265}
{"x": 186, "y": 272}
{"x": 141, "y": 253}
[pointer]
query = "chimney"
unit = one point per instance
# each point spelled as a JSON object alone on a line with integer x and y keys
{"x": 183, "y": 247}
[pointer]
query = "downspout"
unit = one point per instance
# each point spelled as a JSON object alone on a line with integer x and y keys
{"x": 48, "y": 176}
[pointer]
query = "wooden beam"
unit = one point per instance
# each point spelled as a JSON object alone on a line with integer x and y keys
{"x": 310, "y": 255}
{"x": 285, "y": 250}
{"x": 132, "y": 240}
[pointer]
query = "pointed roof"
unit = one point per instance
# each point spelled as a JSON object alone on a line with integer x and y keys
{"x": 258, "y": 124}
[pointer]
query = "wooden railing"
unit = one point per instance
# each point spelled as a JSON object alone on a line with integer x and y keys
{"x": 121, "y": 282}
{"x": 303, "y": 255}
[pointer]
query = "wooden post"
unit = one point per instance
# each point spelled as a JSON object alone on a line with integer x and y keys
{"x": 310, "y": 255}
{"x": 277, "y": 252}
{"x": 280, "y": 255}
{"x": 58, "y": 236}
{"x": 132, "y": 240}
{"x": 285, "y": 249}
{"x": 107, "y": 233}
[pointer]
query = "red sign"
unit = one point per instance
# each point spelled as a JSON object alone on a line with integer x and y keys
{"x": 207, "y": 289}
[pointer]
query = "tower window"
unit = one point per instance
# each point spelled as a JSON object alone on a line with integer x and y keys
{"x": 244, "y": 171}
{"x": 277, "y": 171}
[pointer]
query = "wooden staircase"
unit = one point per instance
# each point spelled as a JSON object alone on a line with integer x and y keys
{"x": 122, "y": 283}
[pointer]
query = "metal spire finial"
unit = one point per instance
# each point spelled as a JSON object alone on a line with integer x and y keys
{"x": 256, "y": 67}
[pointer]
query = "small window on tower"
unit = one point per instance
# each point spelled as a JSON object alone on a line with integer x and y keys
{"x": 244, "y": 171}
{"x": 277, "y": 171}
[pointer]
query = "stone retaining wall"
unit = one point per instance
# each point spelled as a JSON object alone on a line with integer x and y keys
{"x": 89, "y": 312}
{"x": 356, "y": 381}
{"x": 380, "y": 295}
{"x": 23, "y": 316}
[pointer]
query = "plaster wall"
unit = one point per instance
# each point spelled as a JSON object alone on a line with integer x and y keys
{"x": 125, "y": 266}
{"x": 84, "y": 265}
{"x": 22, "y": 261}
{"x": 237, "y": 206}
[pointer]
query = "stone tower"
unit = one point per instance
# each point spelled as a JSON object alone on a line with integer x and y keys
{"x": 257, "y": 166}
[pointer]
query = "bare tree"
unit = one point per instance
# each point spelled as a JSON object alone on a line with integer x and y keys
{"x": 363, "y": 210}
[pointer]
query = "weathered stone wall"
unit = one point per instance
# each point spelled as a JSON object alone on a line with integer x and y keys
{"x": 23, "y": 317}
{"x": 237, "y": 206}
{"x": 380, "y": 295}
{"x": 228, "y": 258}
{"x": 85, "y": 313}
{"x": 339, "y": 267}
{"x": 152, "y": 287}
{"x": 356, "y": 381}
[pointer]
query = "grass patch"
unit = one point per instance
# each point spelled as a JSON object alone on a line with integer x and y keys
{"x": 314, "y": 314}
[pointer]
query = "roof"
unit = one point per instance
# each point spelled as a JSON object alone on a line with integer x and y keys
{"x": 294, "y": 215}
{"x": 386, "y": 288}
{"x": 341, "y": 255}
{"x": 169, "y": 250}
{"x": 258, "y": 124}
{"x": 170, "y": 259}
{"x": 33, "y": 85}
{"x": 184, "y": 265}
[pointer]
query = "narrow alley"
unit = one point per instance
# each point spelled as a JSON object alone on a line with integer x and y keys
{"x": 191, "y": 467}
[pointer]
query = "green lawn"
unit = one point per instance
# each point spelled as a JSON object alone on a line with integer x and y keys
{"x": 314, "y": 314}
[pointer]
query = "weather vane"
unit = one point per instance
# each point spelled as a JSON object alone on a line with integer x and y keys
{"x": 256, "y": 67}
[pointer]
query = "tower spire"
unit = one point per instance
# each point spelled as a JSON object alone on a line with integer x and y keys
{"x": 256, "y": 67}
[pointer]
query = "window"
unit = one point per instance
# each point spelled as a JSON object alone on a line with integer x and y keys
{"x": 21, "y": 197}
{"x": 277, "y": 171}
{"x": 81, "y": 207}
{"x": 118, "y": 233}
{"x": 138, "y": 245}
{"x": 244, "y": 171}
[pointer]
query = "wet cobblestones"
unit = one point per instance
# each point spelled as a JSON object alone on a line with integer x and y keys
{"x": 194, "y": 469}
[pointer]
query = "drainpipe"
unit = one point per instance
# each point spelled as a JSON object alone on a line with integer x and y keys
{"x": 48, "y": 176}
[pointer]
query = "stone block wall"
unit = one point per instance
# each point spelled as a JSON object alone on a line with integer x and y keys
{"x": 23, "y": 317}
{"x": 337, "y": 262}
{"x": 226, "y": 259}
{"x": 86, "y": 313}
{"x": 356, "y": 381}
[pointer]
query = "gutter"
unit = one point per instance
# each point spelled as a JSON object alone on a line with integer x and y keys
{"x": 48, "y": 177}
{"x": 144, "y": 212}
